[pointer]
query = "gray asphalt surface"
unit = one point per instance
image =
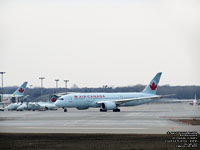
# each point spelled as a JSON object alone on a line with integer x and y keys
{"x": 155, "y": 118}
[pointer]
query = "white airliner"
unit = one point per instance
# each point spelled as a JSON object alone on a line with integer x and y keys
{"x": 7, "y": 98}
{"x": 50, "y": 105}
{"x": 195, "y": 102}
{"x": 12, "y": 106}
{"x": 111, "y": 101}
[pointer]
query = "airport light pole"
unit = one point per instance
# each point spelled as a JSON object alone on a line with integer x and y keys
{"x": 56, "y": 84}
{"x": 30, "y": 88}
{"x": 2, "y": 84}
{"x": 66, "y": 84}
{"x": 41, "y": 78}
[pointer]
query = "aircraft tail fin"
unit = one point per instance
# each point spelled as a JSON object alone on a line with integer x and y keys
{"x": 53, "y": 98}
{"x": 20, "y": 91}
{"x": 152, "y": 87}
{"x": 195, "y": 100}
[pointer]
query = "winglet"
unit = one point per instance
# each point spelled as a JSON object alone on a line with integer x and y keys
{"x": 152, "y": 87}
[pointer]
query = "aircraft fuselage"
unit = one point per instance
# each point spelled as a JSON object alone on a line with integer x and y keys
{"x": 86, "y": 100}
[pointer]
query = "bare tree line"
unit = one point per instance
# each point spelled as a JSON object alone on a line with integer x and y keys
{"x": 181, "y": 92}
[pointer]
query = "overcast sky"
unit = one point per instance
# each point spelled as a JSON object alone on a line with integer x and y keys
{"x": 92, "y": 43}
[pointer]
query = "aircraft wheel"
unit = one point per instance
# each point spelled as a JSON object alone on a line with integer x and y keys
{"x": 103, "y": 110}
{"x": 65, "y": 110}
{"x": 116, "y": 110}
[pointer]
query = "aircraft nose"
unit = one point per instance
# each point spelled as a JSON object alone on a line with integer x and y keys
{"x": 58, "y": 103}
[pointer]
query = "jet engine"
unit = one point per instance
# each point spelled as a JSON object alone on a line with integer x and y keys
{"x": 108, "y": 106}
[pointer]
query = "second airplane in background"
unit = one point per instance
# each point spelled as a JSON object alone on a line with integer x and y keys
{"x": 14, "y": 98}
{"x": 111, "y": 101}
{"x": 50, "y": 105}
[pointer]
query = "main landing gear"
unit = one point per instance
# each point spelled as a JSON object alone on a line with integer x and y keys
{"x": 116, "y": 110}
{"x": 103, "y": 110}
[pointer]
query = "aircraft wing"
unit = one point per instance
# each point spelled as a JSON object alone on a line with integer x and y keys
{"x": 184, "y": 100}
{"x": 120, "y": 101}
{"x": 18, "y": 96}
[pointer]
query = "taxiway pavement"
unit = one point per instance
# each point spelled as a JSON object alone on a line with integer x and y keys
{"x": 153, "y": 118}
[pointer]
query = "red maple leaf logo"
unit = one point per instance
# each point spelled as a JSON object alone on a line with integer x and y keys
{"x": 53, "y": 99}
{"x": 153, "y": 86}
{"x": 76, "y": 96}
{"x": 21, "y": 90}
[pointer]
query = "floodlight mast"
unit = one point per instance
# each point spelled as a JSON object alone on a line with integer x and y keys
{"x": 2, "y": 84}
{"x": 41, "y": 78}
{"x": 66, "y": 84}
{"x": 56, "y": 85}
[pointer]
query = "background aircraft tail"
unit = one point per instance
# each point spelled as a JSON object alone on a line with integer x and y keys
{"x": 20, "y": 91}
{"x": 152, "y": 87}
{"x": 53, "y": 98}
{"x": 195, "y": 100}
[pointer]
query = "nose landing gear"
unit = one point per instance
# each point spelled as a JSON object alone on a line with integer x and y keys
{"x": 65, "y": 109}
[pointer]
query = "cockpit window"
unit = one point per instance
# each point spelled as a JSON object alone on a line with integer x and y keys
{"x": 61, "y": 99}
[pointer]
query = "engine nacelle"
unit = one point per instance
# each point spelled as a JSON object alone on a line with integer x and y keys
{"x": 108, "y": 106}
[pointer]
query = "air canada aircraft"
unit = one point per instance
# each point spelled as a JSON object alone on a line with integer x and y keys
{"x": 111, "y": 101}
{"x": 10, "y": 98}
{"x": 193, "y": 102}
{"x": 12, "y": 106}
{"x": 50, "y": 105}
